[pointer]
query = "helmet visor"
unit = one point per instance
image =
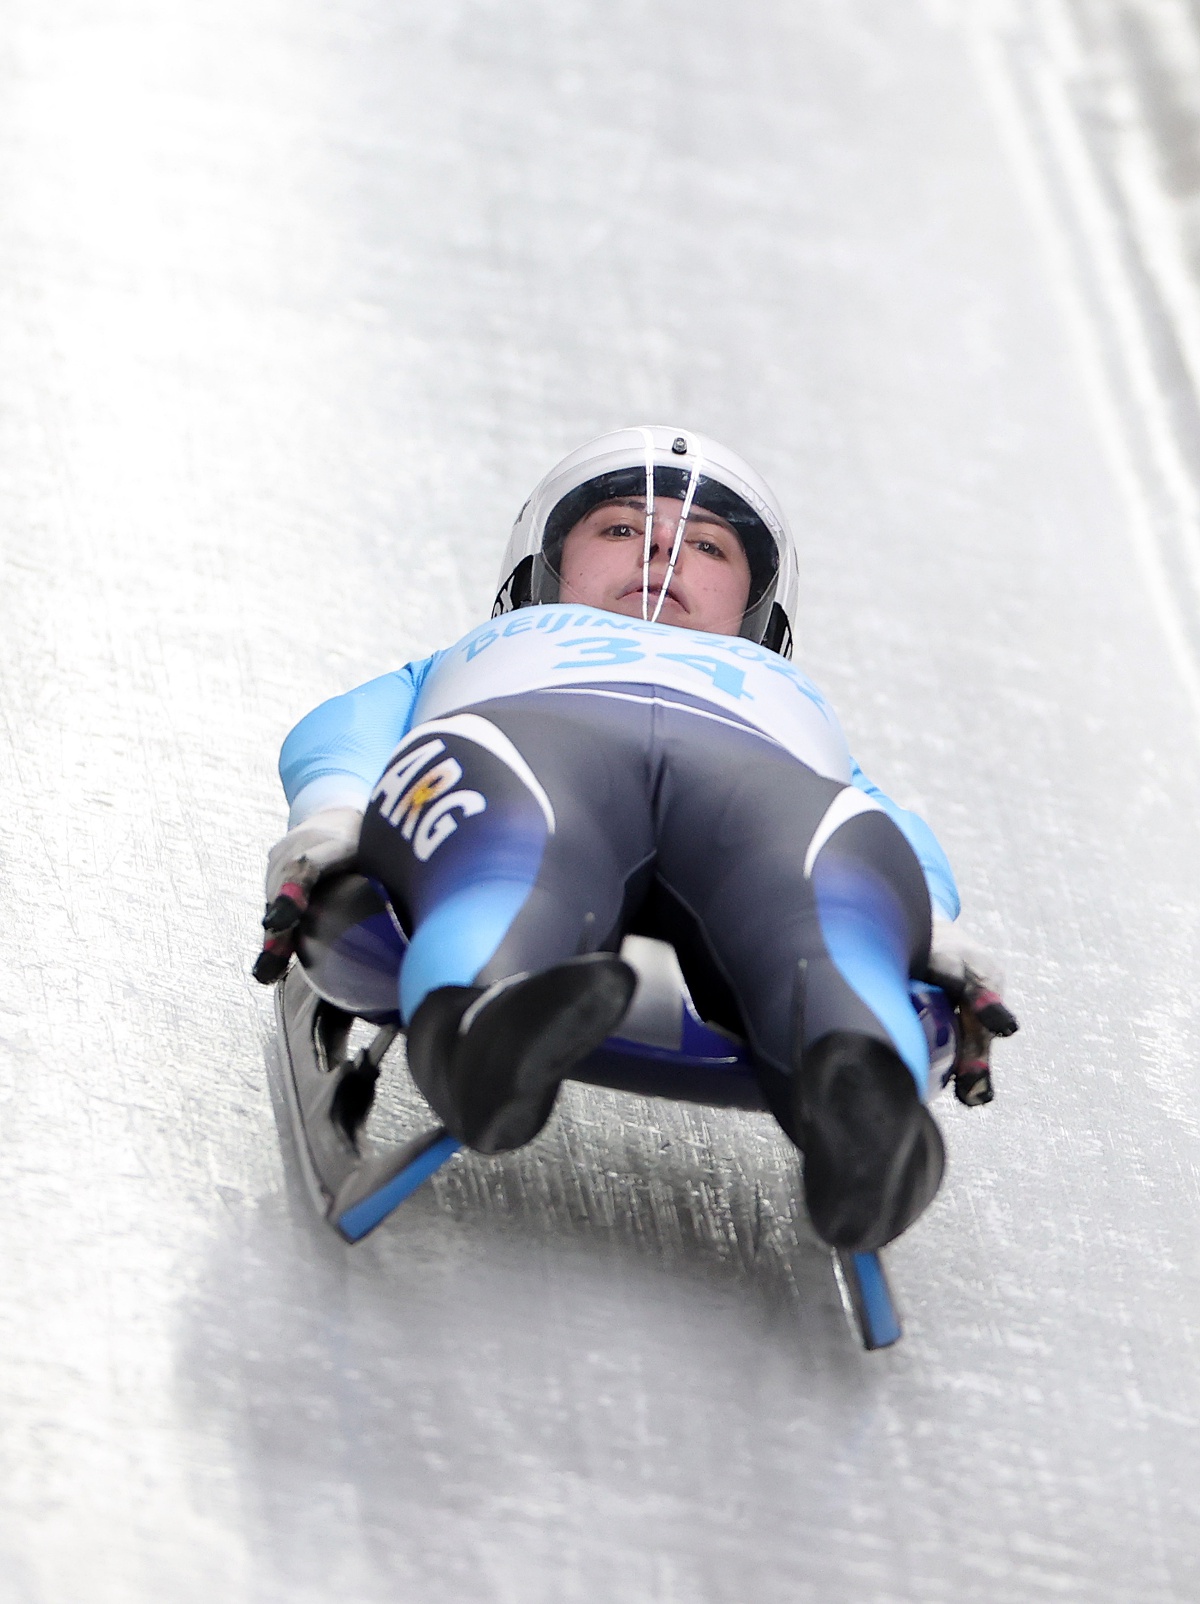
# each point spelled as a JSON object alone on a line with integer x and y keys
{"x": 665, "y": 544}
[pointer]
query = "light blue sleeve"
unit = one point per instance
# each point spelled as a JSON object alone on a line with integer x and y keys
{"x": 939, "y": 876}
{"x": 336, "y": 753}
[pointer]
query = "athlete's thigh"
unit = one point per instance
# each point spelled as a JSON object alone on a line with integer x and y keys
{"x": 527, "y": 813}
{"x": 736, "y": 816}
{"x": 810, "y": 899}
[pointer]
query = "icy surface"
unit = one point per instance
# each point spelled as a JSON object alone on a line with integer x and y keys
{"x": 296, "y": 303}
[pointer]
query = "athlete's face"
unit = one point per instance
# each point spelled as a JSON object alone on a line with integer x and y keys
{"x": 602, "y": 560}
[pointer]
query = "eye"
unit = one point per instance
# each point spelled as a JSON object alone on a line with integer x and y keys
{"x": 620, "y": 531}
{"x": 709, "y": 548}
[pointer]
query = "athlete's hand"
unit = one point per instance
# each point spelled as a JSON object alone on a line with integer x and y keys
{"x": 326, "y": 841}
{"x": 974, "y": 982}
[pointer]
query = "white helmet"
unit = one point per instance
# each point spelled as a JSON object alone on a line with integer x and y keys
{"x": 647, "y": 463}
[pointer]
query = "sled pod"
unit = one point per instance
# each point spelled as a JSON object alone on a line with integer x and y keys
{"x": 351, "y": 947}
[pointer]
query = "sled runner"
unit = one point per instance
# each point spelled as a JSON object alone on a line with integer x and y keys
{"x": 349, "y": 950}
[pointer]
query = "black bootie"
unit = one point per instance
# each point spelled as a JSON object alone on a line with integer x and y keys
{"x": 873, "y": 1157}
{"x": 490, "y": 1061}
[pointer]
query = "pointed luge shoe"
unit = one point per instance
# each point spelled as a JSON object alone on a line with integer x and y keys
{"x": 873, "y": 1156}
{"x": 490, "y": 1061}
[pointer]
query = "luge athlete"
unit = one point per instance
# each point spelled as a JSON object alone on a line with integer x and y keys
{"x": 625, "y": 747}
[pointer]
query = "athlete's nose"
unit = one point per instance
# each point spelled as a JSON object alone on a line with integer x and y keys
{"x": 662, "y": 538}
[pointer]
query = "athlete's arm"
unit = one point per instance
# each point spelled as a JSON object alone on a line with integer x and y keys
{"x": 336, "y": 753}
{"x": 329, "y": 765}
{"x": 943, "y": 889}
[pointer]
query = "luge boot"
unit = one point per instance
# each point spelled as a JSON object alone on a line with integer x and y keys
{"x": 490, "y": 1060}
{"x": 873, "y": 1156}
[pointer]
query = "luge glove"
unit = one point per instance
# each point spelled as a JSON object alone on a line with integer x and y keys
{"x": 974, "y": 982}
{"x": 324, "y": 842}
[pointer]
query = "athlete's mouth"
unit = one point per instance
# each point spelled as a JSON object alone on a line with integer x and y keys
{"x": 652, "y": 594}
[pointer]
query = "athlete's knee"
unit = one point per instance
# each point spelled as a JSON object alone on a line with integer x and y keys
{"x": 861, "y": 866}
{"x": 872, "y": 908}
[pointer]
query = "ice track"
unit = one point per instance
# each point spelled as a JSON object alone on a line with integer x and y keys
{"x": 296, "y": 302}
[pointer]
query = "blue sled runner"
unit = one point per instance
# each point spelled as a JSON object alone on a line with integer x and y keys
{"x": 349, "y": 950}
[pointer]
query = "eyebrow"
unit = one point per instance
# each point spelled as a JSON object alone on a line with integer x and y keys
{"x": 697, "y": 514}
